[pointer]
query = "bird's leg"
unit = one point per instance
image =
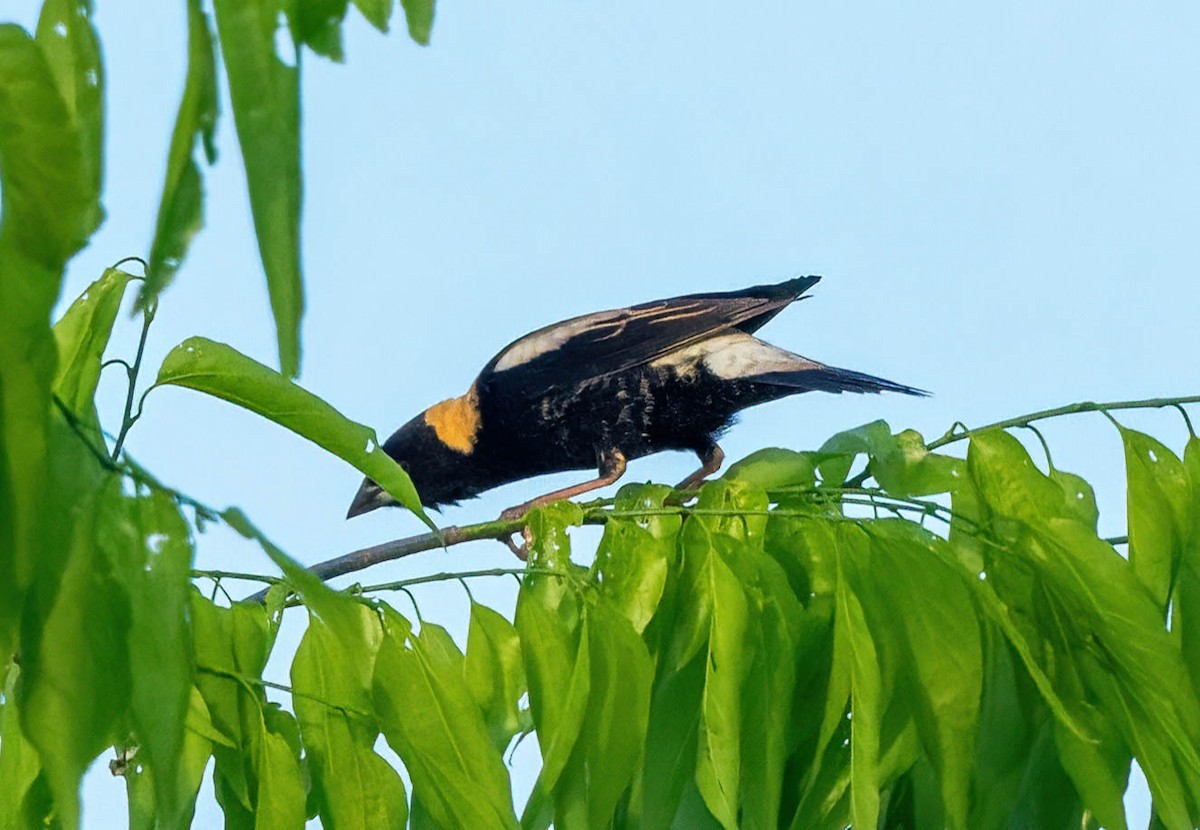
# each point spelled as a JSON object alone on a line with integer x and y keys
{"x": 711, "y": 458}
{"x": 611, "y": 468}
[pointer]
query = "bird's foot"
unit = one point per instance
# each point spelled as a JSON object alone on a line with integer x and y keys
{"x": 521, "y": 551}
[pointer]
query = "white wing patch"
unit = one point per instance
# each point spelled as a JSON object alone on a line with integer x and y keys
{"x": 735, "y": 355}
{"x": 548, "y": 339}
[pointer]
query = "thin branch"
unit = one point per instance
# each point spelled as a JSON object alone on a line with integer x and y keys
{"x": 1071, "y": 409}
{"x": 198, "y": 573}
{"x": 460, "y": 575}
{"x": 129, "y": 419}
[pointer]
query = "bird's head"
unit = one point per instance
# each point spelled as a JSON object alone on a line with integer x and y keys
{"x": 436, "y": 450}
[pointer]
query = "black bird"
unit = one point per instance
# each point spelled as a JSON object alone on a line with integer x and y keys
{"x": 599, "y": 390}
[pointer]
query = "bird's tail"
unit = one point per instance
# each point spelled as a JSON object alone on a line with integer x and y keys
{"x": 832, "y": 379}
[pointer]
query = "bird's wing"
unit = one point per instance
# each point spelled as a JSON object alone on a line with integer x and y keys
{"x": 596, "y": 345}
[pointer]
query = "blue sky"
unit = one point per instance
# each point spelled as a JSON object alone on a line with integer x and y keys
{"x": 1003, "y": 199}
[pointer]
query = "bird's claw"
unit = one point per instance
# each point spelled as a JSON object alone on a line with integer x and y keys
{"x": 520, "y": 551}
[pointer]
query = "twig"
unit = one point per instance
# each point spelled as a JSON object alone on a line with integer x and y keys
{"x": 1071, "y": 409}
{"x": 131, "y": 372}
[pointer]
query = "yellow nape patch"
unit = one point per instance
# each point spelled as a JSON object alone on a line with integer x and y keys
{"x": 456, "y": 421}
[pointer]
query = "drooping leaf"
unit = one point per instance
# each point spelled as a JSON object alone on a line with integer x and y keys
{"x": 24, "y": 796}
{"x": 495, "y": 672}
{"x": 151, "y": 549}
{"x": 68, "y": 40}
{"x": 611, "y": 735}
{"x": 258, "y": 778}
{"x": 181, "y": 208}
{"x": 264, "y": 90}
{"x": 636, "y": 553}
{"x": 1092, "y": 595}
{"x": 82, "y": 335}
{"x": 74, "y": 689}
{"x": 428, "y": 715}
{"x": 48, "y": 209}
{"x": 718, "y": 765}
{"x": 1187, "y": 595}
{"x": 320, "y": 27}
{"x": 854, "y": 649}
{"x": 419, "y": 15}
{"x": 1159, "y": 500}
{"x": 332, "y": 676}
{"x": 377, "y": 12}
{"x": 221, "y": 371}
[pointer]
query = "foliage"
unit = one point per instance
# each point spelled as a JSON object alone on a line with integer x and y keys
{"x": 938, "y": 641}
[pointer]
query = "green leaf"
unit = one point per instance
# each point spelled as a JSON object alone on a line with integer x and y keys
{"x": 331, "y": 677}
{"x": 635, "y": 554}
{"x": 264, "y": 89}
{"x": 495, "y": 672}
{"x": 74, "y": 690}
{"x": 942, "y": 656}
{"x": 669, "y": 766}
{"x": 554, "y": 644}
{"x": 68, "y": 40}
{"x": 718, "y": 766}
{"x": 24, "y": 798}
{"x": 258, "y": 778}
{"x": 1080, "y": 498}
{"x": 1159, "y": 503}
{"x": 377, "y": 12}
{"x": 181, "y": 208}
{"x": 82, "y": 335}
{"x": 855, "y": 650}
{"x": 320, "y": 26}
{"x": 901, "y": 463}
{"x": 47, "y": 209}
{"x": 614, "y": 724}
{"x": 1187, "y": 596}
{"x": 419, "y": 14}
{"x": 1091, "y": 598}
{"x": 221, "y": 371}
{"x": 774, "y": 469}
{"x": 141, "y": 782}
{"x": 429, "y": 717}
{"x": 151, "y": 549}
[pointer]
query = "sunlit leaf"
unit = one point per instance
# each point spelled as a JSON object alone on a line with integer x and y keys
{"x": 151, "y": 549}
{"x": 320, "y": 26}
{"x": 430, "y": 718}
{"x": 1187, "y": 597}
{"x": 495, "y": 672}
{"x": 1159, "y": 501}
{"x": 775, "y": 468}
{"x": 614, "y": 724}
{"x": 901, "y": 463}
{"x": 636, "y": 553}
{"x": 74, "y": 690}
{"x": 419, "y": 14}
{"x": 24, "y": 796}
{"x": 377, "y": 12}
{"x": 48, "y": 210}
{"x": 1093, "y": 596}
{"x": 332, "y": 677}
{"x": 68, "y": 40}
{"x": 260, "y": 50}
{"x": 181, "y": 208}
{"x": 221, "y": 371}
{"x": 82, "y": 335}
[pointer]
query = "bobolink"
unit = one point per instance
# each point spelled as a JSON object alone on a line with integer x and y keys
{"x": 596, "y": 391}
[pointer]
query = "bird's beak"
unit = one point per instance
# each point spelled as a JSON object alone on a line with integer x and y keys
{"x": 370, "y": 496}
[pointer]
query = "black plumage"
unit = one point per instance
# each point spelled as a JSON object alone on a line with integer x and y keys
{"x": 599, "y": 390}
